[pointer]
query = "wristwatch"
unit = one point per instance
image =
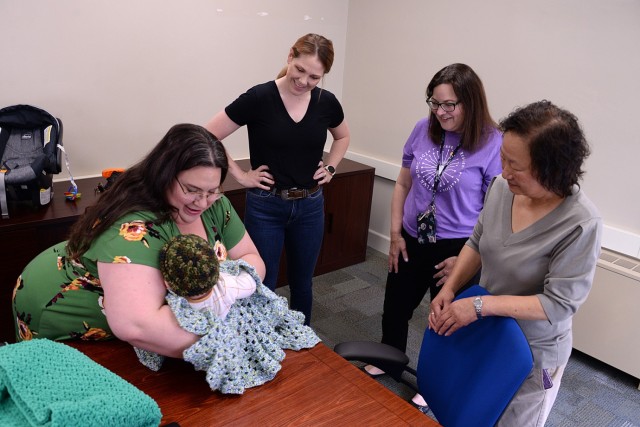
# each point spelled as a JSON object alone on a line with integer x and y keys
{"x": 477, "y": 303}
{"x": 330, "y": 169}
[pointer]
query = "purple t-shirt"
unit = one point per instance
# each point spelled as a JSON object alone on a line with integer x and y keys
{"x": 462, "y": 185}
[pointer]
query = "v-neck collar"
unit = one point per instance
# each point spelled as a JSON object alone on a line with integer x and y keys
{"x": 542, "y": 225}
{"x": 284, "y": 108}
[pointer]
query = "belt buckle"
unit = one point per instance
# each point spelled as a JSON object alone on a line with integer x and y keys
{"x": 292, "y": 194}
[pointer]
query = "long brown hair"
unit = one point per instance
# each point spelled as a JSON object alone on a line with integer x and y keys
{"x": 469, "y": 89}
{"x": 313, "y": 45}
{"x": 144, "y": 186}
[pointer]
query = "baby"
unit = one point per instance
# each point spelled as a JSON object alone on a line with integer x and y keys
{"x": 244, "y": 327}
{"x": 191, "y": 269}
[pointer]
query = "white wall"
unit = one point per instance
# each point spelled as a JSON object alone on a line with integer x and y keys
{"x": 580, "y": 54}
{"x": 120, "y": 73}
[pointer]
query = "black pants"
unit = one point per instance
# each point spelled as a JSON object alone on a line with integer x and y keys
{"x": 406, "y": 288}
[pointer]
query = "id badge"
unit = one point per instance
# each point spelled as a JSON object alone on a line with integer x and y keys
{"x": 427, "y": 227}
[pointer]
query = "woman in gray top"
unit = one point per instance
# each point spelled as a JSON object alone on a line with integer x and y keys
{"x": 538, "y": 240}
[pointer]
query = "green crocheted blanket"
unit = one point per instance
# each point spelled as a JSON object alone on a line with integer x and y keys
{"x": 45, "y": 383}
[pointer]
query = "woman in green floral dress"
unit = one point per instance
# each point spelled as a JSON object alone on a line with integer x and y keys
{"x": 104, "y": 281}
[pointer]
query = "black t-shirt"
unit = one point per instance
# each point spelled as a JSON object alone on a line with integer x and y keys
{"x": 291, "y": 150}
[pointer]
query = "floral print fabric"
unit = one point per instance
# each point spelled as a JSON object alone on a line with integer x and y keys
{"x": 59, "y": 298}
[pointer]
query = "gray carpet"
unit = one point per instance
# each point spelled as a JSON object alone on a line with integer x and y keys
{"x": 348, "y": 307}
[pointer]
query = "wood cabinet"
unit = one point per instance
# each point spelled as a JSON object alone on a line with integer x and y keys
{"x": 29, "y": 231}
{"x": 347, "y": 210}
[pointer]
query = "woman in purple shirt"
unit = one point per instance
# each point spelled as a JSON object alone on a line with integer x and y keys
{"x": 447, "y": 164}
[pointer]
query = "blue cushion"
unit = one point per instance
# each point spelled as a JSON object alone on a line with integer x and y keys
{"x": 469, "y": 378}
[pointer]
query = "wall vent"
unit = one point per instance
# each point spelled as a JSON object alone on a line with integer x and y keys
{"x": 621, "y": 263}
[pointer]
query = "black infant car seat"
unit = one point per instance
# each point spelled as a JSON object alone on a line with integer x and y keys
{"x": 30, "y": 153}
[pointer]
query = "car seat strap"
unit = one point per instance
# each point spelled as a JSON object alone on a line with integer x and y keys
{"x": 3, "y": 197}
{"x": 67, "y": 164}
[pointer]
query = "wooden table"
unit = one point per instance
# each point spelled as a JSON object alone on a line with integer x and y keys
{"x": 314, "y": 387}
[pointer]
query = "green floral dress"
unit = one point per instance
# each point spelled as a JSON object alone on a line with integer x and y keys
{"x": 59, "y": 298}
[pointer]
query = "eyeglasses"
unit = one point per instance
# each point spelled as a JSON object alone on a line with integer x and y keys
{"x": 210, "y": 196}
{"x": 446, "y": 106}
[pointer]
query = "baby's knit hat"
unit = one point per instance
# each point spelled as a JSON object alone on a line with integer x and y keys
{"x": 189, "y": 265}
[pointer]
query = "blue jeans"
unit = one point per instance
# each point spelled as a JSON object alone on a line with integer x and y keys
{"x": 298, "y": 225}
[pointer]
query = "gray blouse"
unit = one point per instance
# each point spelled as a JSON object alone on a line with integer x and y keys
{"x": 554, "y": 259}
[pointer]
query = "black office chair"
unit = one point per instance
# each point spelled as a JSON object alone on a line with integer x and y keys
{"x": 468, "y": 378}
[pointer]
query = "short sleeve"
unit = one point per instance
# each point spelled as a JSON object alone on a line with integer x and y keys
{"x": 418, "y": 134}
{"x": 135, "y": 238}
{"x": 494, "y": 166}
{"x": 240, "y": 111}
{"x": 474, "y": 240}
{"x": 336, "y": 113}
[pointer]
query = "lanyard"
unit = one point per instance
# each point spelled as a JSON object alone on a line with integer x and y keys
{"x": 440, "y": 167}
{"x": 427, "y": 220}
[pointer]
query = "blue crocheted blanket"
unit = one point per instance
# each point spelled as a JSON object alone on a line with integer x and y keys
{"x": 45, "y": 383}
{"x": 245, "y": 349}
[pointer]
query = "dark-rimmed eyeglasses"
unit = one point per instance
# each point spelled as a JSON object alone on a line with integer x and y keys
{"x": 446, "y": 106}
{"x": 210, "y": 196}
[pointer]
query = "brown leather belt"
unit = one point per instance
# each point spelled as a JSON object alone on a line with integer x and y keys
{"x": 295, "y": 193}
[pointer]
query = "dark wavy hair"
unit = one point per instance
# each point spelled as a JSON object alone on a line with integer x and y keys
{"x": 144, "y": 186}
{"x": 557, "y": 145}
{"x": 470, "y": 92}
{"x": 313, "y": 45}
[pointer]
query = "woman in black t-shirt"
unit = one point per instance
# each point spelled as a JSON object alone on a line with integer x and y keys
{"x": 287, "y": 121}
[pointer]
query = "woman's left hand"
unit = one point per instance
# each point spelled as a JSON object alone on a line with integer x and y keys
{"x": 456, "y": 315}
{"x": 444, "y": 268}
{"x": 322, "y": 175}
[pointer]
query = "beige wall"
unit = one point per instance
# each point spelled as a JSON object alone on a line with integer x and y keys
{"x": 580, "y": 54}
{"x": 120, "y": 73}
